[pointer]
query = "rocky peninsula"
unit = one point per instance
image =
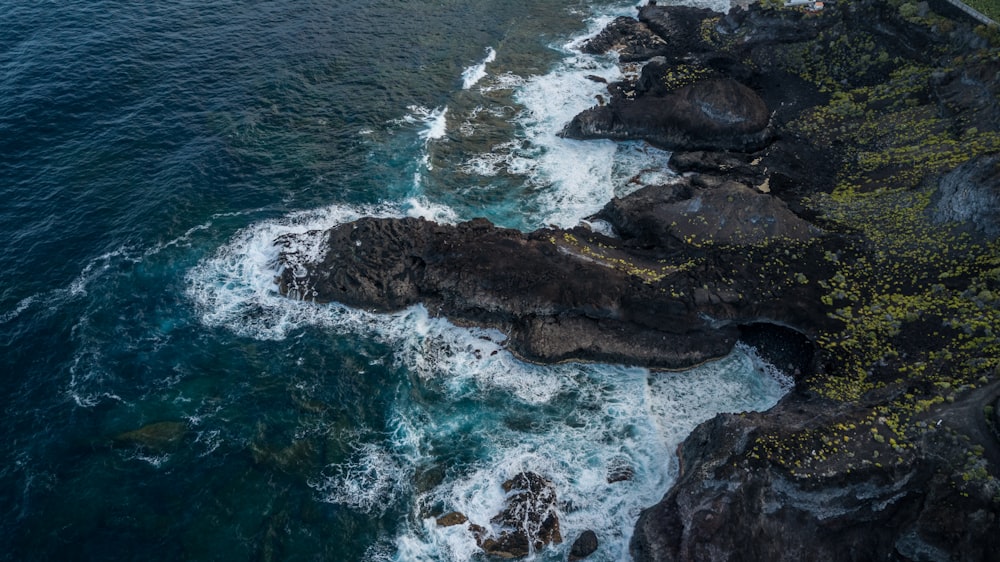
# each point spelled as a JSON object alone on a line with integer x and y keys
{"x": 837, "y": 205}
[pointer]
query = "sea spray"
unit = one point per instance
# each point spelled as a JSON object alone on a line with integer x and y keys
{"x": 473, "y": 74}
{"x": 584, "y": 426}
{"x": 531, "y": 176}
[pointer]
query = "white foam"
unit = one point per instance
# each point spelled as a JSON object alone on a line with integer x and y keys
{"x": 498, "y": 160}
{"x": 465, "y": 359}
{"x": 21, "y": 306}
{"x": 568, "y": 180}
{"x": 370, "y": 481}
{"x": 183, "y": 240}
{"x": 210, "y": 440}
{"x": 473, "y": 74}
{"x": 572, "y": 178}
{"x": 156, "y": 461}
{"x": 95, "y": 269}
{"x": 501, "y": 82}
{"x": 435, "y": 121}
{"x": 591, "y": 418}
{"x": 236, "y": 287}
{"x": 420, "y": 207}
{"x": 566, "y": 422}
{"x": 88, "y": 378}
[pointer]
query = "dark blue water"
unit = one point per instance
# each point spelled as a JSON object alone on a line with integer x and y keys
{"x": 161, "y": 402}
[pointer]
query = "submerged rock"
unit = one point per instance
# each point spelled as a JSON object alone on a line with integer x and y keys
{"x": 620, "y": 470}
{"x": 161, "y": 436}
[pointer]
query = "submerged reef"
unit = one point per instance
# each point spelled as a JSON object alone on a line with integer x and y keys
{"x": 838, "y": 205}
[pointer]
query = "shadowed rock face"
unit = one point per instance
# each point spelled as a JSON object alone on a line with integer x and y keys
{"x": 970, "y": 195}
{"x": 719, "y": 114}
{"x": 727, "y": 505}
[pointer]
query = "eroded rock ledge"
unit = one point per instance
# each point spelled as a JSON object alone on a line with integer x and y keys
{"x": 651, "y": 298}
{"x": 840, "y": 181}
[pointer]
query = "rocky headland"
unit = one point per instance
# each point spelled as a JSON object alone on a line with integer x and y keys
{"x": 837, "y": 205}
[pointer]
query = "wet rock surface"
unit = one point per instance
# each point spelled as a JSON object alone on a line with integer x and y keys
{"x": 719, "y": 114}
{"x": 584, "y": 545}
{"x": 836, "y": 209}
{"x": 528, "y": 522}
{"x": 451, "y": 519}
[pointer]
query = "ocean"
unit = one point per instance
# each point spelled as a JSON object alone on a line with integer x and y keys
{"x": 162, "y": 402}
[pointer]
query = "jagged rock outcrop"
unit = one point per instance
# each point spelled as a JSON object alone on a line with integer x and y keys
{"x": 970, "y": 196}
{"x": 679, "y": 26}
{"x": 528, "y": 522}
{"x": 884, "y": 502}
{"x": 630, "y": 38}
{"x": 576, "y": 294}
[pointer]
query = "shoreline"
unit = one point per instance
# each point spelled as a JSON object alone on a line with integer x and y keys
{"x": 837, "y": 172}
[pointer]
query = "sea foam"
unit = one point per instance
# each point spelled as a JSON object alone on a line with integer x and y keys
{"x": 573, "y": 424}
{"x": 473, "y": 74}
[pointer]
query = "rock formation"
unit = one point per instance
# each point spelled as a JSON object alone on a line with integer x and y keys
{"x": 528, "y": 521}
{"x": 719, "y": 114}
{"x": 575, "y": 294}
{"x": 837, "y": 208}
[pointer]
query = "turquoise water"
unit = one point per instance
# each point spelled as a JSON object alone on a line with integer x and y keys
{"x": 148, "y": 156}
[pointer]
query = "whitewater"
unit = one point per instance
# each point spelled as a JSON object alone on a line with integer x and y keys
{"x": 165, "y": 399}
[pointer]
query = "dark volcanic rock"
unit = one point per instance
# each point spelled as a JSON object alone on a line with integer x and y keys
{"x": 528, "y": 521}
{"x": 970, "y": 94}
{"x": 584, "y": 545}
{"x": 671, "y": 216}
{"x": 970, "y": 195}
{"x": 727, "y": 505}
{"x": 679, "y": 26}
{"x": 631, "y": 39}
{"x": 719, "y": 114}
{"x": 559, "y": 295}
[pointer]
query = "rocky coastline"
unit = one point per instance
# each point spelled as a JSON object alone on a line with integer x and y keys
{"x": 837, "y": 204}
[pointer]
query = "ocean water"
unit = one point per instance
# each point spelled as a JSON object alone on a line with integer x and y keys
{"x": 162, "y": 402}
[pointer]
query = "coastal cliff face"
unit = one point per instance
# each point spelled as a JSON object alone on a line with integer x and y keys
{"x": 840, "y": 191}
